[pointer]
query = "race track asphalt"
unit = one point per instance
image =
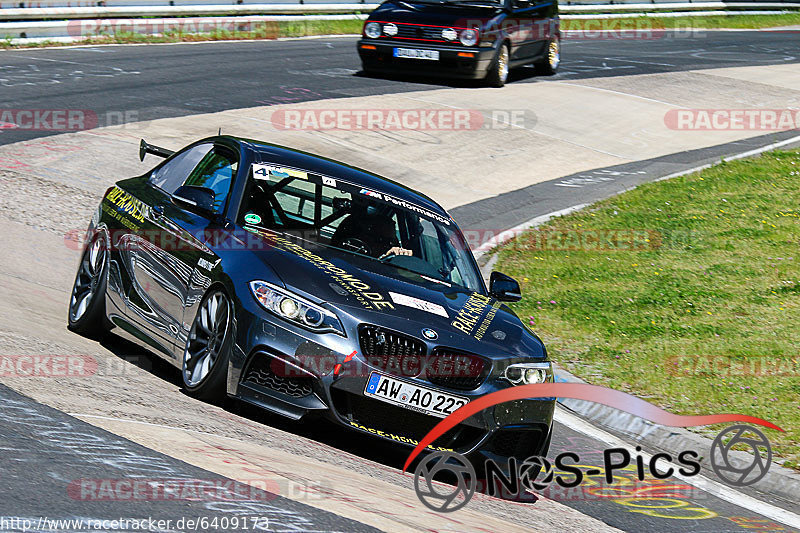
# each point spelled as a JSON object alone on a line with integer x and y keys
{"x": 139, "y": 83}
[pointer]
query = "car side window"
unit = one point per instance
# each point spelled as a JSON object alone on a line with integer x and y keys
{"x": 216, "y": 172}
{"x": 172, "y": 174}
{"x": 297, "y": 200}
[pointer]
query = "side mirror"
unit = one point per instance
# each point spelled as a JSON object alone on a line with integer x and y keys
{"x": 198, "y": 200}
{"x": 504, "y": 288}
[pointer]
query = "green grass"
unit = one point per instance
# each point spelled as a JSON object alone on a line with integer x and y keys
{"x": 731, "y": 21}
{"x": 719, "y": 276}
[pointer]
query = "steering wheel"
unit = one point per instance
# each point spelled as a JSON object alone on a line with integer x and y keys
{"x": 357, "y": 245}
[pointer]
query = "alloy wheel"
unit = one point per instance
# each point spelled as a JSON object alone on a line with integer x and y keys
{"x": 206, "y": 338}
{"x": 554, "y": 54}
{"x": 88, "y": 279}
{"x": 502, "y": 64}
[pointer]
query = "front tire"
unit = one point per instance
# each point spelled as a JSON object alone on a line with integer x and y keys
{"x": 498, "y": 74}
{"x": 206, "y": 355}
{"x": 367, "y": 71}
{"x": 87, "y": 303}
{"x": 548, "y": 65}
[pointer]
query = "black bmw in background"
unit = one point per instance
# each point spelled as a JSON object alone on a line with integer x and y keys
{"x": 306, "y": 286}
{"x": 475, "y": 39}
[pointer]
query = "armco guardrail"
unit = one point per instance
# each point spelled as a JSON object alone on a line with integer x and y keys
{"x": 72, "y": 30}
{"x": 673, "y": 6}
{"x": 110, "y": 11}
{"x": 47, "y": 13}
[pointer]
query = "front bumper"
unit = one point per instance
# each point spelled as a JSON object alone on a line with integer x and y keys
{"x": 288, "y": 370}
{"x": 381, "y": 59}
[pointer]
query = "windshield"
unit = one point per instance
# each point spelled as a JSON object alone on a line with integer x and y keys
{"x": 360, "y": 221}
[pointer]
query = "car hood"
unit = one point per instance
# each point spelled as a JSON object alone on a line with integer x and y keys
{"x": 372, "y": 292}
{"x": 432, "y": 14}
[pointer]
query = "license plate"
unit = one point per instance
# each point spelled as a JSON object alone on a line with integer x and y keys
{"x": 421, "y": 399}
{"x": 413, "y": 53}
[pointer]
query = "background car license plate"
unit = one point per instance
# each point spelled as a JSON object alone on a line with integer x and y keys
{"x": 413, "y": 53}
{"x": 420, "y": 399}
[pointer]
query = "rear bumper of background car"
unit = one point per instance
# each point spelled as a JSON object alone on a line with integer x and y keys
{"x": 454, "y": 61}
{"x": 288, "y": 370}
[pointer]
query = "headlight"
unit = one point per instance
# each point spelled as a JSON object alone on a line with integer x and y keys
{"x": 469, "y": 37}
{"x": 390, "y": 29}
{"x": 450, "y": 34}
{"x": 295, "y": 309}
{"x": 372, "y": 30}
{"x": 529, "y": 373}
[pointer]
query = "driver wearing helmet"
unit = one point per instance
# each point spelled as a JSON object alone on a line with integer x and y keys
{"x": 369, "y": 230}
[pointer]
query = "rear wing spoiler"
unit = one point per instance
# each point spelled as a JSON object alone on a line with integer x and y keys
{"x": 146, "y": 148}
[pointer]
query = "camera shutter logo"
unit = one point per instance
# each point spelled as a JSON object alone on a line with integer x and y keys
{"x": 441, "y": 497}
{"x": 733, "y": 470}
{"x": 534, "y": 468}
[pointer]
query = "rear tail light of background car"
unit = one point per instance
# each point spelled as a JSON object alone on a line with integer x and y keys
{"x": 294, "y": 308}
